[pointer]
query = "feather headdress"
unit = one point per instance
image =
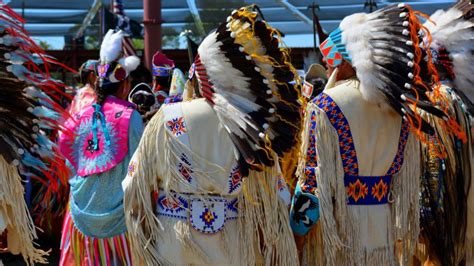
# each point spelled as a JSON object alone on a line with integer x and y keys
{"x": 386, "y": 49}
{"x": 27, "y": 111}
{"x": 452, "y": 32}
{"x": 446, "y": 183}
{"x": 26, "y": 105}
{"x": 245, "y": 75}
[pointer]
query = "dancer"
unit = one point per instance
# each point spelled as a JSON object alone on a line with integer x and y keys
{"x": 447, "y": 196}
{"x": 177, "y": 87}
{"x": 85, "y": 96}
{"x": 27, "y": 111}
{"x": 211, "y": 163}
{"x": 314, "y": 81}
{"x": 142, "y": 96}
{"x": 359, "y": 173}
{"x": 105, "y": 135}
{"x": 162, "y": 70}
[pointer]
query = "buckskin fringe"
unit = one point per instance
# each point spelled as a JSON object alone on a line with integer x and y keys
{"x": 264, "y": 218}
{"x": 18, "y": 219}
{"x": 338, "y": 233}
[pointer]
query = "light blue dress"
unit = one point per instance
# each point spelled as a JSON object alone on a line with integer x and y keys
{"x": 96, "y": 202}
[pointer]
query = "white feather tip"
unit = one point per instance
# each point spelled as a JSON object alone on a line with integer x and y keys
{"x": 111, "y": 47}
{"x": 130, "y": 63}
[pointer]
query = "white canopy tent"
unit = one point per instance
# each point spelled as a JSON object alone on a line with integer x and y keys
{"x": 292, "y": 17}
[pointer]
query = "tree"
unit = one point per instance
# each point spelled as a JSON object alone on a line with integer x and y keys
{"x": 212, "y": 13}
{"x": 169, "y": 38}
{"x": 44, "y": 45}
{"x": 138, "y": 44}
{"x": 92, "y": 42}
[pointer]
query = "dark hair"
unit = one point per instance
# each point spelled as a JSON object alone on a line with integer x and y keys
{"x": 318, "y": 86}
{"x": 144, "y": 101}
{"x": 85, "y": 71}
{"x": 164, "y": 82}
{"x": 143, "y": 97}
{"x": 84, "y": 76}
{"x": 140, "y": 75}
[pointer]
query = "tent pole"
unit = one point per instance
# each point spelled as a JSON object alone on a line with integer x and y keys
{"x": 152, "y": 21}
{"x": 101, "y": 23}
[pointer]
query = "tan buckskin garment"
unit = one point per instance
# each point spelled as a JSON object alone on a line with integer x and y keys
{"x": 356, "y": 234}
{"x": 212, "y": 155}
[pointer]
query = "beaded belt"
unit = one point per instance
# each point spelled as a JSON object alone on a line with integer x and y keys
{"x": 367, "y": 190}
{"x": 207, "y": 214}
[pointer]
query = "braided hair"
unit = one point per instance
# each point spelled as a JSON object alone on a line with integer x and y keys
{"x": 107, "y": 88}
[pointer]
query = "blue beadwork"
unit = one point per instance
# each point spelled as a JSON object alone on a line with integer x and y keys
{"x": 361, "y": 190}
{"x": 311, "y": 157}
{"x": 399, "y": 158}
{"x": 309, "y": 185}
{"x": 340, "y": 123}
{"x": 367, "y": 190}
{"x": 235, "y": 179}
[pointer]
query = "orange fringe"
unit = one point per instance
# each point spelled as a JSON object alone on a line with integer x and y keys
{"x": 435, "y": 96}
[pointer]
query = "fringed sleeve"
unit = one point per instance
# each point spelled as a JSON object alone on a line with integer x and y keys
{"x": 325, "y": 170}
{"x": 304, "y": 212}
{"x": 14, "y": 212}
{"x": 467, "y": 163}
{"x": 406, "y": 202}
{"x": 141, "y": 181}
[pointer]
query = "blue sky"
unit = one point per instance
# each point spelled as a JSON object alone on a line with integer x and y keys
{"x": 57, "y": 43}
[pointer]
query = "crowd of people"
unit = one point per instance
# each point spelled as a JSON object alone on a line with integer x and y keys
{"x": 367, "y": 160}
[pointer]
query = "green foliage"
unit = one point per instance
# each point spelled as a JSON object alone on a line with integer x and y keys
{"x": 170, "y": 38}
{"x": 44, "y": 45}
{"x": 211, "y": 12}
{"x": 91, "y": 42}
{"x": 138, "y": 44}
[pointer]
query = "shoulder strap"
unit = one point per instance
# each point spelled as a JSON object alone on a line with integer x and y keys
{"x": 311, "y": 157}
{"x": 399, "y": 157}
{"x": 340, "y": 123}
